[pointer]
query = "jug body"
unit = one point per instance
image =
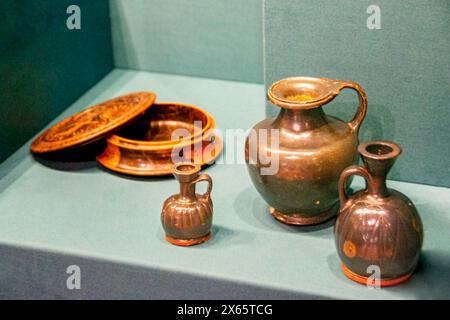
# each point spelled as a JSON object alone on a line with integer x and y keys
{"x": 186, "y": 217}
{"x": 378, "y": 229}
{"x": 310, "y": 150}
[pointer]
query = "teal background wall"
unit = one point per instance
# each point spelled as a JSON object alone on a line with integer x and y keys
{"x": 404, "y": 68}
{"x": 206, "y": 38}
{"x": 44, "y": 66}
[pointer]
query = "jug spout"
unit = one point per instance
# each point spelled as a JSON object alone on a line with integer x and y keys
{"x": 303, "y": 92}
{"x": 378, "y": 158}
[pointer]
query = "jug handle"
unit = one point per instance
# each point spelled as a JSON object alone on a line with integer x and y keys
{"x": 207, "y": 178}
{"x": 347, "y": 173}
{"x": 357, "y": 120}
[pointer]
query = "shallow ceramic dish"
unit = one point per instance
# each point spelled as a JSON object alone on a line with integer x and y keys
{"x": 146, "y": 146}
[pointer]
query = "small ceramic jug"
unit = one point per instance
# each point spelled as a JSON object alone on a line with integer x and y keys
{"x": 187, "y": 217}
{"x": 378, "y": 232}
{"x": 308, "y": 149}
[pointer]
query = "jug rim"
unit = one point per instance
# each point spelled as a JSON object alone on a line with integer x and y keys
{"x": 379, "y": 150}
{"x": 303, "y": 92}
{"x": 186, "y": 168}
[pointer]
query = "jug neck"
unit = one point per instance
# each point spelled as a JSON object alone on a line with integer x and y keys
{"x": 378, "y": 158}
{"x": 186, "y": 174}
{"x": 299, "y": 120}
{"x": 378, "y": 187}
{"x": 187, "y": 190}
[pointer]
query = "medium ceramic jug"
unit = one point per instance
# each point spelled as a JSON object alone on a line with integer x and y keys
{"x": 310, "y": 149}
{"x": 187, "y": 217}
{"x": 378, "y": 230}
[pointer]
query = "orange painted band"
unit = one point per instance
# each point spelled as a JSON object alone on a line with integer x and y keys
{"x": 365, "y": 280}
{"x": 188, "y": 242}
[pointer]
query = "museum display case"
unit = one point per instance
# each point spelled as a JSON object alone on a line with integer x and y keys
{"x": 102, "y": 206}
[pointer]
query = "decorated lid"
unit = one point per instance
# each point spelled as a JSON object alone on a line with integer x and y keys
{"x": 93, "y": 123}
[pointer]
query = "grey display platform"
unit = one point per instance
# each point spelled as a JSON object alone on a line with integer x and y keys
{"x": 109, "y": 225}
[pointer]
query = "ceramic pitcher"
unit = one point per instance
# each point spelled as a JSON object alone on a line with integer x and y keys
{"x": 378, "y": 231}
{"x": 311, "y": 149}
{"x": 187, "y": 216}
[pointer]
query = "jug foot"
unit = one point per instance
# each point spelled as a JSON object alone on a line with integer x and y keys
{"x": 369, "y": 282}
{"x": 299, "y": 219}
{"x": 187, "y": 242}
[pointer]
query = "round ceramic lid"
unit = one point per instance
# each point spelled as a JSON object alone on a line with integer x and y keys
{"x": 93, "y": 123}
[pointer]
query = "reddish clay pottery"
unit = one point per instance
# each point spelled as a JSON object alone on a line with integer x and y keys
{"x": 187, "y": 217}
{"x": 143, "y": 138}
{"x": 311, "y": 152}
{"x": 377, "y": 227}
{"x": 146, "y": 147}
{"x": 93, "y": 123}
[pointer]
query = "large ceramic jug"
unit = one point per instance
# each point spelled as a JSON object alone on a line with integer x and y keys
{"x": 378, "y": 229}
{"x": 310, "y": 149}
